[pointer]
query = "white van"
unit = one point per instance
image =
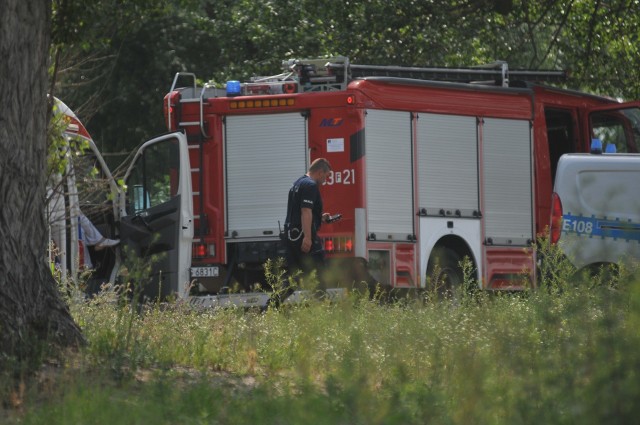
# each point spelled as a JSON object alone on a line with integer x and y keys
{"x": 595, "y": 216}
{"x": 151, "y": 214}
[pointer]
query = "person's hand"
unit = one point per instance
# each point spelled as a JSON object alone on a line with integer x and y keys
{"x": 325, "y": 217}
{"x": 306, "y": 244}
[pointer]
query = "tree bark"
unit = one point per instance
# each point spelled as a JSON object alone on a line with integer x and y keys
{"x": 31, "y": 309}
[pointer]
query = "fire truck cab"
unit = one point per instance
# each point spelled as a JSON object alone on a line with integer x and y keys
{"x": 430, "y": 165}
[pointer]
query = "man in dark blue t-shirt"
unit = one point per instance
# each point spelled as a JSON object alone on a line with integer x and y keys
{"x": 304, "y": 218}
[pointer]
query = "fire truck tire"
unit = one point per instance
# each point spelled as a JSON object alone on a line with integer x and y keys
{"x": 444, "y": 273}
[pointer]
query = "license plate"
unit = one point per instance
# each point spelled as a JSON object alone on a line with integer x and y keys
{"x": 211, "y": 271}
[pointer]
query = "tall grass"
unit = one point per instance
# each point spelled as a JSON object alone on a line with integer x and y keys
{"x": 568, "y": 352}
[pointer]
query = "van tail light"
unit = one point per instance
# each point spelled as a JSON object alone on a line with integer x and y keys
{"x": 556, "y": 218}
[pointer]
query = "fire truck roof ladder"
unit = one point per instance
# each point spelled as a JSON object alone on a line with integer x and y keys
{"x": 497, "y": 73}
{"x": 334, "y": 73}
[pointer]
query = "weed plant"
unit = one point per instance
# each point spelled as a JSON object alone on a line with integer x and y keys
{"x": 566, "y": 353}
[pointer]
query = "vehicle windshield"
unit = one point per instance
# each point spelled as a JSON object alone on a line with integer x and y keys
{"x": 620, "y": 127}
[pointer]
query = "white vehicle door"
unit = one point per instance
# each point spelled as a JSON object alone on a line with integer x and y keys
{"x": 156, "y": 225}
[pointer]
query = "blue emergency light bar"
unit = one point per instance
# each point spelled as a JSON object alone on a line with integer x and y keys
{"x": 233, "y": 88}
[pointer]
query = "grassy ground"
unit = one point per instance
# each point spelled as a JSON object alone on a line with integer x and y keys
{"x": 569, "y": 353}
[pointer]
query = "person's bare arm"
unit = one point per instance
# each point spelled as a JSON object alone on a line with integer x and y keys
{"x": 306, "y": 229}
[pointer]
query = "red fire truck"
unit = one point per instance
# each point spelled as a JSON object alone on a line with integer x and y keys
{"x": 430, "y": 165}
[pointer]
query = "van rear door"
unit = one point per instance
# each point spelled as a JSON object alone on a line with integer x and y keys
{"x": 157, "y": 214}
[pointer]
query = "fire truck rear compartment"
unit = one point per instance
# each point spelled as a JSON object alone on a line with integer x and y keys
{"x": 447, "y": 178}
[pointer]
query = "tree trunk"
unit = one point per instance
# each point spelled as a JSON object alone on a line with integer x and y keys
{"x": 31, "y": 309}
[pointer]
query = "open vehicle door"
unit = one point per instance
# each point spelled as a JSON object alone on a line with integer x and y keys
{"x": 157, "y": 214}
{"x": 617, "y": 124}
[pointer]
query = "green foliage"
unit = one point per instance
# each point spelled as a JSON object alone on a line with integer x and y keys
{"x": 115, "y": 60}
{"x": 113, "y": 317}
{"x": 555, "y": 270}
{"x": 548, "y": 356}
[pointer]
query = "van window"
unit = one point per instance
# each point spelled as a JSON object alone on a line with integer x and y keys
{"x": 620, "y": 127}
{"x": 154, "y": 178}
{"x": 560, "y": 135}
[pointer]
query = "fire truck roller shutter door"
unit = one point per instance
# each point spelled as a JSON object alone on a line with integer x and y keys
{"x": 389, "y": 174}
{"x": 447, "y": 150}
{"x": 265, "y": 154}
{"x": 507, "y": 188}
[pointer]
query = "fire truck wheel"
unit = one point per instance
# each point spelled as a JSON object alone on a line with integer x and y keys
{"x": 444, "y": 273}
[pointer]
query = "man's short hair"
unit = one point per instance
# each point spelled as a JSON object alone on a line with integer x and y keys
{"x": 320, "y": 164}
